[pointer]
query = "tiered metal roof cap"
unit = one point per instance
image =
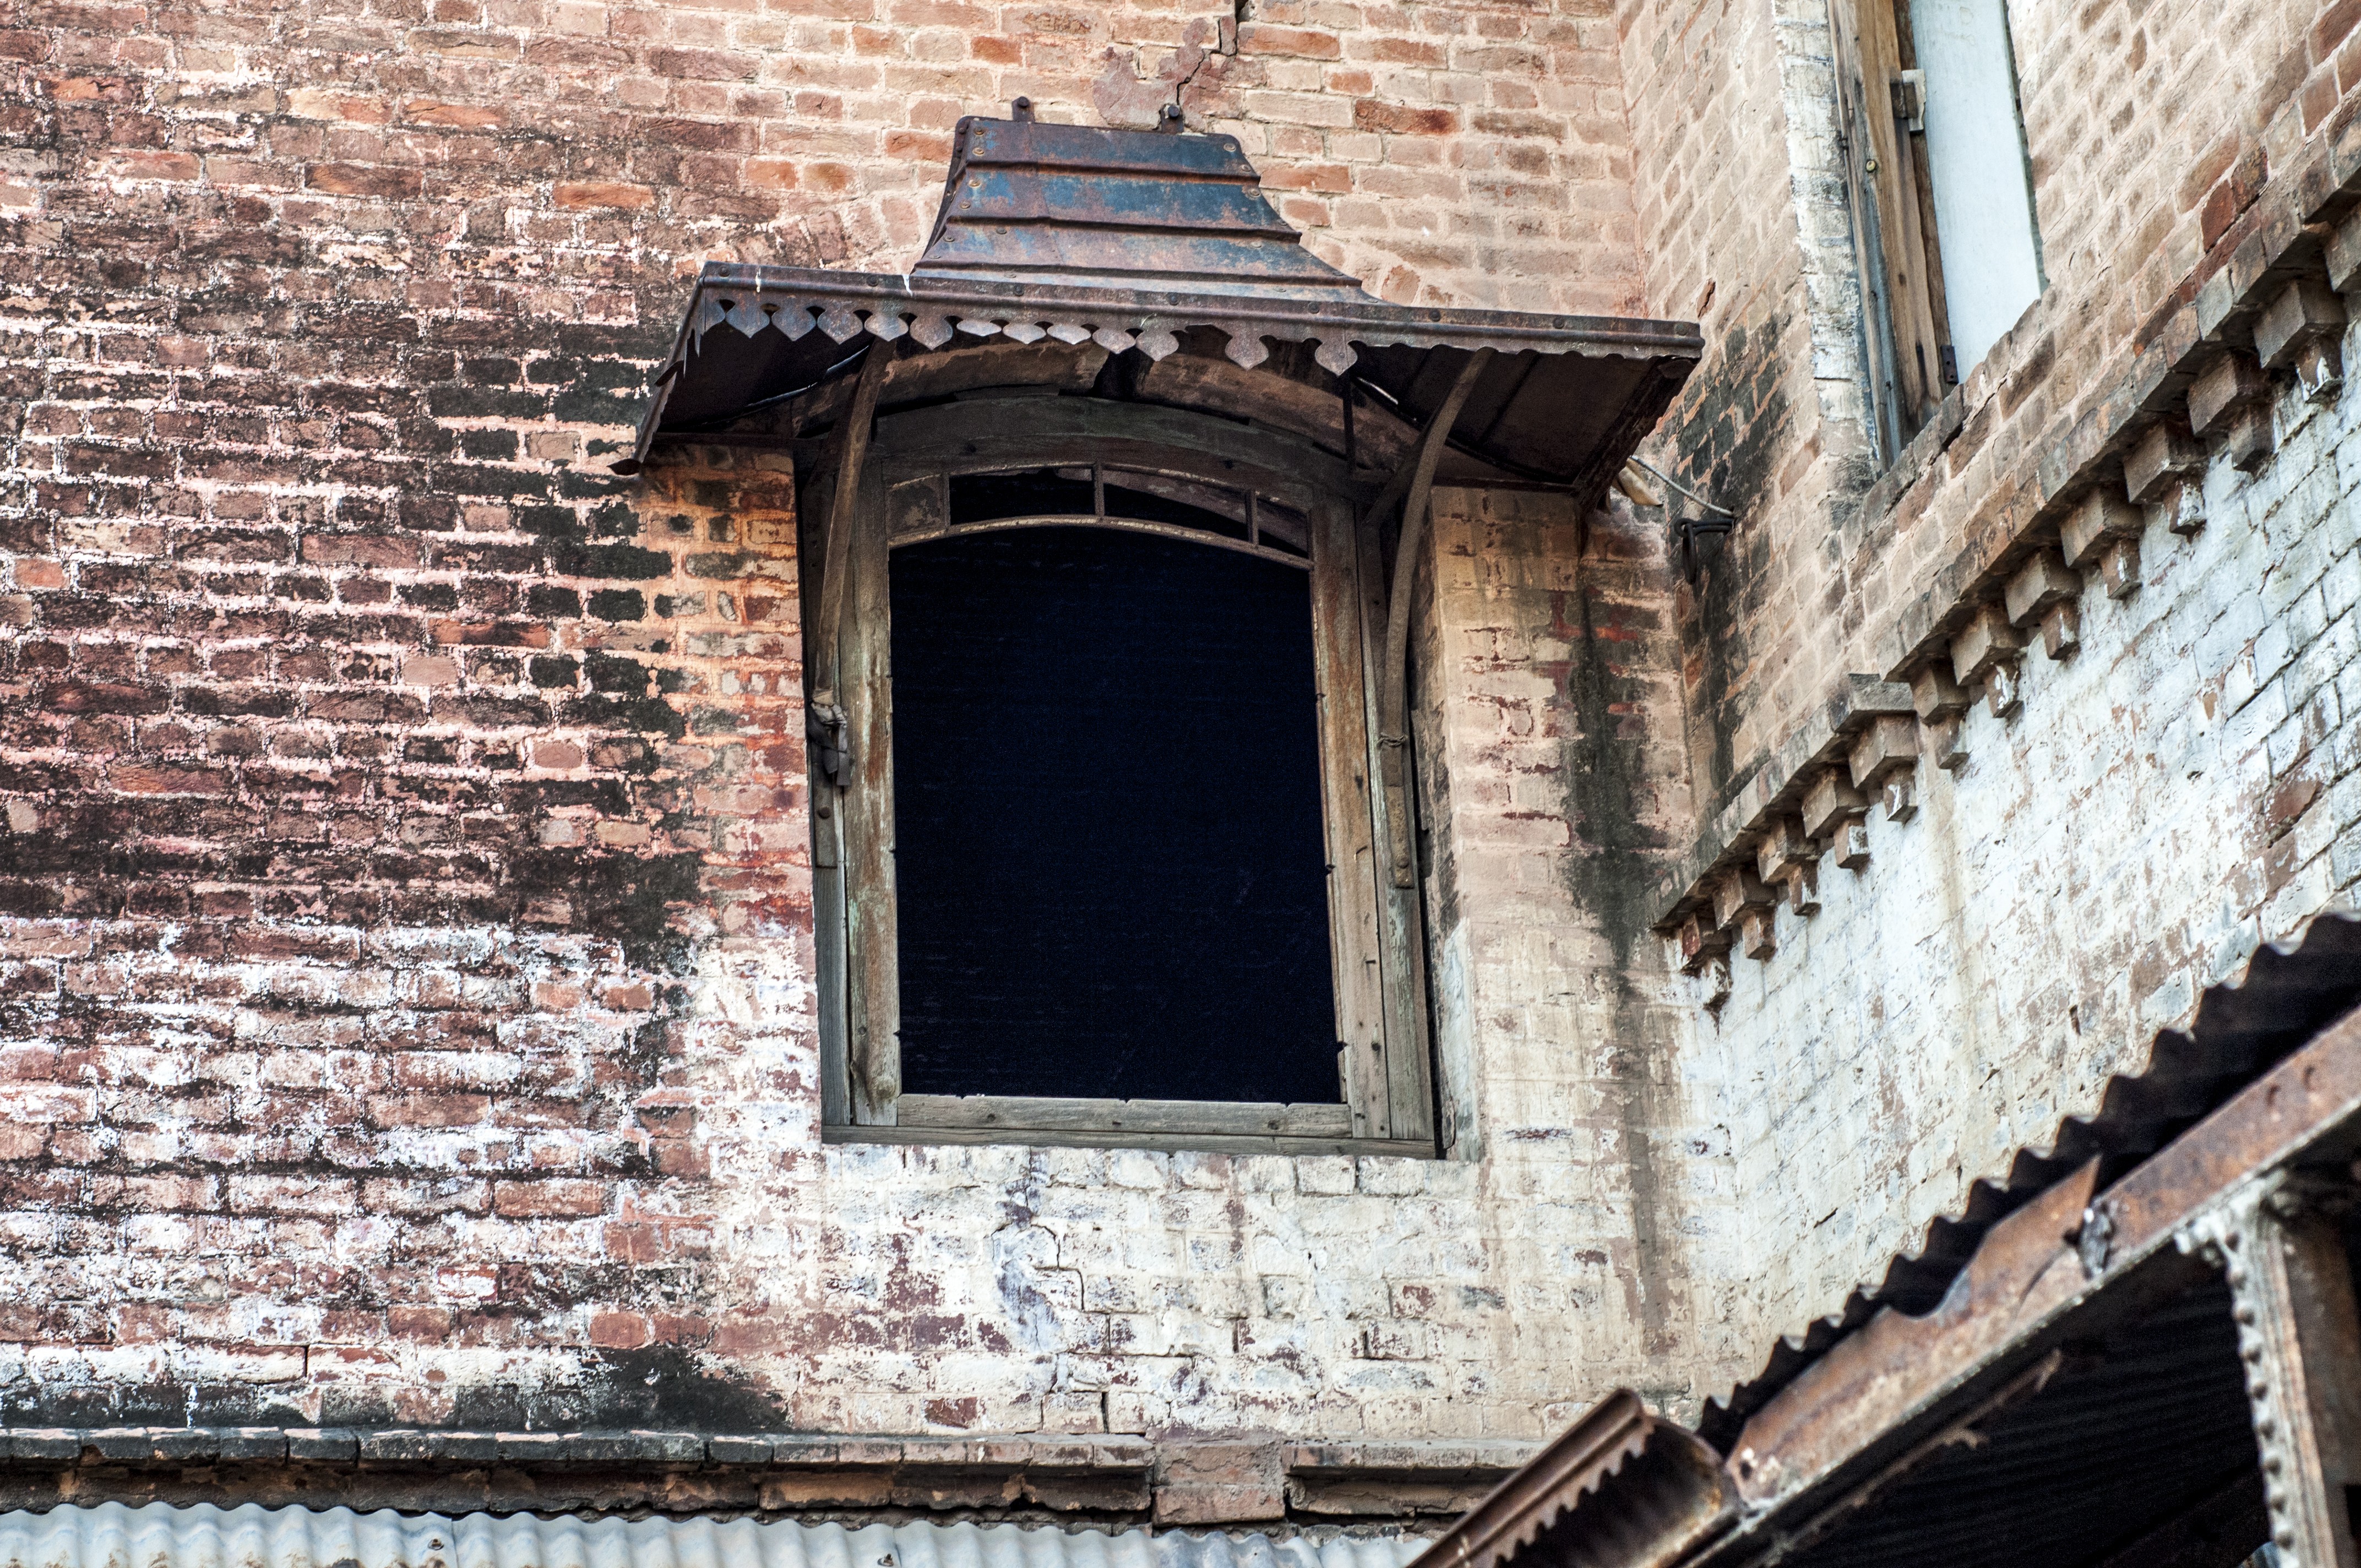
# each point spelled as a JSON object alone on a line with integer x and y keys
{"x": 1164, "y": 243}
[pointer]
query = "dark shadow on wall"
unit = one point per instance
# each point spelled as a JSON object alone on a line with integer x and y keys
{"x": 1610, "y": 622}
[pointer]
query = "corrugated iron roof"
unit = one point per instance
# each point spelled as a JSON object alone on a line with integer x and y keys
{"x": 1620, "y": 1488}
{"x": 2128, "y": 1431}
{"x": 2285, "y": 993}
{"x": 1090, "y": 240}
{"x": 157, "y": 1535}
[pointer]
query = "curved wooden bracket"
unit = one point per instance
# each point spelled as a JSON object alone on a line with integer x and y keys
{"x": 852, "y": 452}
{"x": 1394, "y": 708}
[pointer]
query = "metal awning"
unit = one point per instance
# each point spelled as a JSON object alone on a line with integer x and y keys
{"x": 1058, "y": 248}
{"x": 157, "y": 1535}
{"x": 2110, "y": 1380}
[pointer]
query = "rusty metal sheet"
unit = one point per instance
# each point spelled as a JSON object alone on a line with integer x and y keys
{"x": 1896, "y": 1365}
{"x": 1618, "y": 1489}
{"x": 1025, "y": 198}
{"x": 2279, "y": 1119}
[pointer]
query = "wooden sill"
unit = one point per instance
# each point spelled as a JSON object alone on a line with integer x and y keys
{"x": 1213, "y": 1126}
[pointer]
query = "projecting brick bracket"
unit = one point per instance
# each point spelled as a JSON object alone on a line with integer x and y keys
{"x": 2263, "y": 314}
{"x": 1815, "y": 800}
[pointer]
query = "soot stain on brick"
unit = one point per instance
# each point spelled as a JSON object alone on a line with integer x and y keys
{"x": 1029, "y": 1313}
{"x": 1615, "y": 865}
{"x": 624, "y": 898}
{"x": 667, "y": 1387}
{"x": 650, "y": 1044}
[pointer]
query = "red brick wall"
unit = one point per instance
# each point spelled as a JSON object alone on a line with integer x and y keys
{"x": 404, "y": 1001}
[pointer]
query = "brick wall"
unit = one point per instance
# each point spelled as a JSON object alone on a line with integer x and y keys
{"x": 404, "y": 983}
{"x": 2168, "y": 797}
{"x": 405, "y": 976}
{"x": 498, "y": 1111}
{"x": 1549, "y": 749}
{"x": 2151, "y": 128}
{"x": 2185, "y": 787}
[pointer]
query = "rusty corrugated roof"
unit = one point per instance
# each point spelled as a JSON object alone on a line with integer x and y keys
{"x": 1620, "y": 1488}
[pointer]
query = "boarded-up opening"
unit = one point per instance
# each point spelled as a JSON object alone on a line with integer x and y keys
{"x": 1108, "y": 847}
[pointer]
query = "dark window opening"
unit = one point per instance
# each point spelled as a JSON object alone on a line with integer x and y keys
{"x": 1037, "y": 492}
{"x": 1110, "y": 877}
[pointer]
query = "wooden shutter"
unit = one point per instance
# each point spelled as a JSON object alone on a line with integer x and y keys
{"x": 1892, "y": 238}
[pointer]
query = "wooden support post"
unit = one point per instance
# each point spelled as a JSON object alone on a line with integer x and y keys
{"x": 1393, "y": 710}
{"x": 2300, "y": 1340}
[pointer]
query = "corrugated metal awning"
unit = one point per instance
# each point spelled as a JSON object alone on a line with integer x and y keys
{"x": 1091, "y": 242}
{"x": 157, "y": 1535}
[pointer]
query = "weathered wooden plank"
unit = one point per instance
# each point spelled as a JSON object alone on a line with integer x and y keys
{"x": 874, "y": 990}
{"x": 917, "y": 507}
{"x": 916, "y": 535}
{"x": 995, "y": 362}
{"x": 1402, "y": 953}
{"x": 828, "y": 881}
{"x": 1355, "y": 941}
{"x": 1890, "y": 237}
{"x": 1171, "y": 1142}
{"x": 1197, "y": 381}
{"x": 1918, "y": 333}
{"x": 1041, "y": 1113}
{"x": 1393, "y": 666}
{"x": 829, "y": 972}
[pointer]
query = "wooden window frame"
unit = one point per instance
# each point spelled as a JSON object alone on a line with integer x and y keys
{"x": 1905, "y": 329}
{"x": 1376, "y": 942}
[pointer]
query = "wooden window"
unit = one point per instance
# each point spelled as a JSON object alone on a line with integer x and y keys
{"x": 1104, "y": 866}
{"x": 1940, "y": 190}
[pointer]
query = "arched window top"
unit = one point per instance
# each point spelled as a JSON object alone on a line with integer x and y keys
{"x": 1009, "y": 429}
{"x": 1015, "y": 461}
